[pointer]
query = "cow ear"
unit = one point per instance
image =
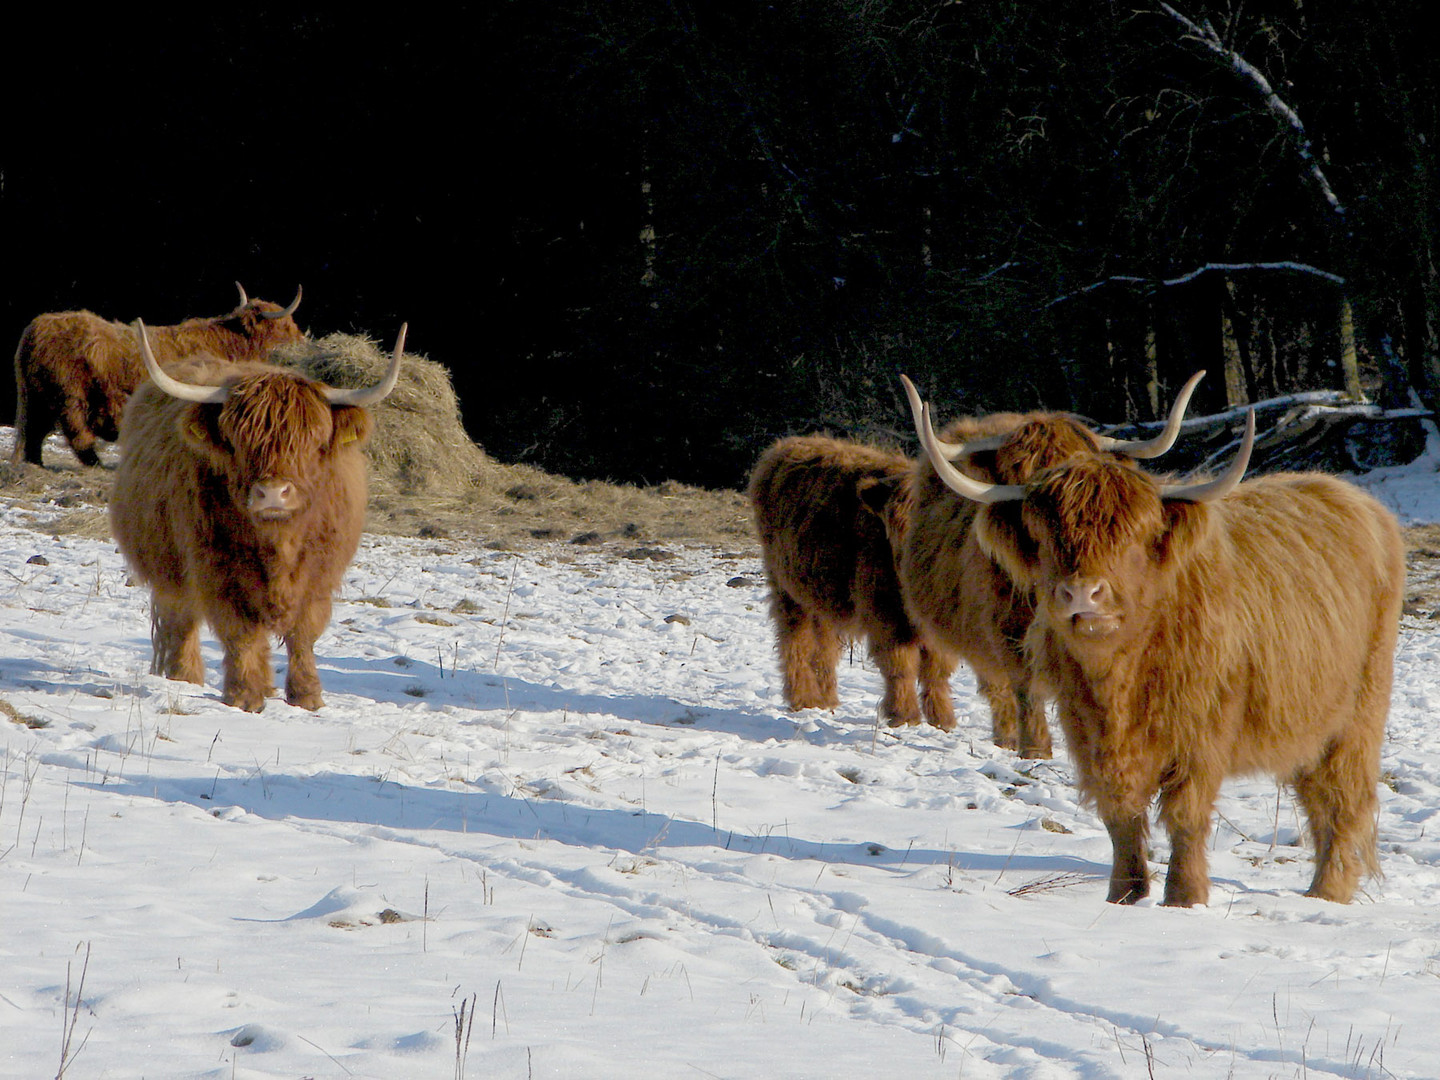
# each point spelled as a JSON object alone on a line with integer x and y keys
{"x": 888, "y": 498}
{"x": 1000, "y": 531}
{"x": 1185, "y": 525}
{"x": 875, "y": 492}
{"x": 197, "y": 427}
{"x": 351, "y": 426}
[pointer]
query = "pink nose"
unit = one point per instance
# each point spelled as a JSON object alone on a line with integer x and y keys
{"x": 273, "y": 497}
{"x": 1082, "y": 596}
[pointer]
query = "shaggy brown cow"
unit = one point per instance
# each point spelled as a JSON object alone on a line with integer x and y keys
{"x": 955, "y": 592}
{"x": 239, "y": 499}
{"x": 79, "y": 369}
{"x": 826, "y": 513}
{"x": 1196, "y": 632}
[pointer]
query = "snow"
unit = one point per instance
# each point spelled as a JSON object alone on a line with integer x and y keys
{"x": 556, "y": 794}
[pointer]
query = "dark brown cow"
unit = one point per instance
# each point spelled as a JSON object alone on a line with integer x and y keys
{"x": 955, "y": 592}
{"x": 79, "y": 369}
{"x": 825, "y": 512}
{"x": 1190, "y": 633}
{"x": 239, "y": 499}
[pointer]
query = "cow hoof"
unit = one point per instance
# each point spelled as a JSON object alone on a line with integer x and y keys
{"x": 247, "y": 702}
{"x": 306, "y": 701}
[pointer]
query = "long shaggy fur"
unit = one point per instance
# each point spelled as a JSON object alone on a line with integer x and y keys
{"x": 1255, "y": 634}
{"x": 957, "y": 593}
{"x": 179, "y": 514}
{"x": 77, "y": 369}
{"x": 826, "y": 512}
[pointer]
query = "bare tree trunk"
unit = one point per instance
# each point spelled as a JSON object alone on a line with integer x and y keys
{"x": 1349, "y": 365}
{"x": 1422, "y": 342}
{"x": 1152, "y": 370}
{"x": 1239, "y": 365}
{"x": 648, "y": 276}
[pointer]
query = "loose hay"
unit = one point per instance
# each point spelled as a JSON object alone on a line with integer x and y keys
{"x": 419, "y": 445}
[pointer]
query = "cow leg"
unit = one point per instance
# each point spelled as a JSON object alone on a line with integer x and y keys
{"x": 248, "y": 679}
{"x": 1339, "y": 794}
{"x": 900, "y": 667}
{"x": 20, "y": 452}
{"x": 935, "y": 670}
{"x": 76, "y": 427}
{"x": 809, "y": 651}
{"x": 1130, "y": 867}
{"x": 175, "y": 643}
{"x": 1004, "y": 712}
{"x": 1034, "y": 730}
{"x": 826, "y": 660}
{"x": 1340, "y": 805}
{"x": 1186, "y": 807}
{"x": 33, "y": 421}
{"x": 302, "y": 679}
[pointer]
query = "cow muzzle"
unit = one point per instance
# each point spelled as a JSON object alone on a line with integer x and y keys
{"x": 273, "y": 500}
{"x": 1087, "y": 606}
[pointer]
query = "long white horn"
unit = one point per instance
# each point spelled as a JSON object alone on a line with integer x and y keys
{"x": 953, "y": 478}
{"x": 205, "y": 395}
{"x": 1153, "y": 448}
{"x": 370, "y": 395}
{"x": 951, "y": 451}
{"x": 243, "y": 298}
{"x": 281, "y": 314}
{"x": 1223, "y": 484}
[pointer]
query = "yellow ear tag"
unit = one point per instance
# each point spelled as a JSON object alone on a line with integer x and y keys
{"x": 197, "y": 430}
{"x": 348, "y": 437}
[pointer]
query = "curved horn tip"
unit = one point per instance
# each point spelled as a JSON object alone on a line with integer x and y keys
{"x": 287, "y": 311}
{"x": 974, "y": 490}
{"x": 1224, "y": 484}
{"x": 201, "y": 394}
{"x": 244, "y": 299}
{"x": 1160, "y": 444}
{"x": 372, "y": 395}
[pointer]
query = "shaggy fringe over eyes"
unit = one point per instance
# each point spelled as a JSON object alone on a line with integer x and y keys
{"x": 1039, "y": 443}
{"x": 1091, "y": 508}
{"x": 280, "y": 419}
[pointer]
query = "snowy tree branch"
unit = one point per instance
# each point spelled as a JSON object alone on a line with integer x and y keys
{"x": 1206, "y": 38}
{"x": 1229, "y": 268}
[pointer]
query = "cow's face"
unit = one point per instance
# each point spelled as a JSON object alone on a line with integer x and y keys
{"x": 1097, "y": 543}
{"x": 265, "y": 326}
{"x": 273, "y": 439}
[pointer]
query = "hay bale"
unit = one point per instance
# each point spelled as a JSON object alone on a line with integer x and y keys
{"x": 419, "y": 445}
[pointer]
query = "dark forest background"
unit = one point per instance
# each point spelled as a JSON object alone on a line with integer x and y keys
{"x": 648, "y": 238}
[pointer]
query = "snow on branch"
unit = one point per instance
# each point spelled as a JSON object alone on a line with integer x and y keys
{"x": 1289, "y": 428}
{"x": 1288, "y": 265}
{"x": 1204, "y": 36}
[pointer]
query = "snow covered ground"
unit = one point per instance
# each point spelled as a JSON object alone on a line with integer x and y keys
{"x": 553, "y": 798}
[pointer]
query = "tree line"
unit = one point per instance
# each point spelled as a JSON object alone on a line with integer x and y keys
{"x": 649, "y": 238}
{"x": 779, "y": 207}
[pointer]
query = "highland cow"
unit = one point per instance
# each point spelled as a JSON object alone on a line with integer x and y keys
{"x": 955, "y": 592}
{"x": 79, "y": 369}
{"x": 239, "y": 500}
{"x": 1195, "y": 632}
{"x": 826, "y": 513}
